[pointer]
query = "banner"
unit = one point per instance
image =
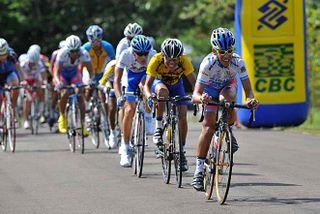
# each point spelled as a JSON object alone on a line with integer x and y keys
{"x": 270, "y": 36}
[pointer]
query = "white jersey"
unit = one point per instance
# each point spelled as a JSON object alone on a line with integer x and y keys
{"x": 123, "y": 45}
{"x": 214, "y": 75}
{"x": 63, "y": 58}
{"x": 32, "y": 72}
{"x": 128, "y": 61}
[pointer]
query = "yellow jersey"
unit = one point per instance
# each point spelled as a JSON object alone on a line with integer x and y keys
{"x": 108, "y": 72}
{"x": 157, "y": 69}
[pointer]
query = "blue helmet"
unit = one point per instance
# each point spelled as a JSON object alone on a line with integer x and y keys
{"x": 222, "y": 39}
{"x": 141, "y": 44}
{"x": 94, "y": 32}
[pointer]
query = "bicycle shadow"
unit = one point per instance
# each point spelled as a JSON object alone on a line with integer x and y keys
{"x": 252, "y": 184}
{"x": 276, "y": 200}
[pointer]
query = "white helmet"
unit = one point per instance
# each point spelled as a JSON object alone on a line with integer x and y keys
{"x": 62, "y": 43}
{"x": 73, "y": 43}
{"x": 94, "y": 32}
{"x": 3, "y": 46}
{"x": 132, "y": 30}
{"x": 172, "y": 48}
{"x": 33, "y": 55}
{"x": 35, "y": 47}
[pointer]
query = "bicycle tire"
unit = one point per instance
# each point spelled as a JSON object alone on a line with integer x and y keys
{"x": 141, "y": 145}
{"x": 4, "y": 136}
{"x": 78, "y": 127}
{"x": 167, "y": 151}
{"x": 224, "y": 164}
{"x": 177, "y": 153}
{"x": 71, "y": 130}
{"x": 94, "y": 127}
{"x": 209, "y": 173}
{"x": 104, "y": 124}
{"x": 32, "y": 118}
{"x": 11, "y": 128}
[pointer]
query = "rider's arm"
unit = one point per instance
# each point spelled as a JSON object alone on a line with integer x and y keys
{"x": 247, "y": 88}
{"x": 117, "y": 81}
{"x": 197, "y": 93}
{"x": 147, "y": 86}
{"x": 89, "y": 67}
{"x": 57, "y": 70}
{"x": 192, "y": 79}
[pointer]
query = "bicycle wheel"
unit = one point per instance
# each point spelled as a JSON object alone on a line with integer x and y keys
{"x": 71, "y": 129}
{"x": 104, "y": 126}
{"x": 32, "y": 118}
{"x": 11, "y": 127}
{"x": 224, "y": 163}
{"x": 94, "y": 126}
{"x": 4, "y": 134}
{"x": 140, "y": 143}
{"x": 166, "y": 156}
{"x": 78, "y": 124}
{"x": 177, "y": 152}
{"x": 209, "y": 172}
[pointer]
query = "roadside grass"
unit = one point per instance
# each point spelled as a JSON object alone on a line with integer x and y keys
{"x": 311, "y": 125}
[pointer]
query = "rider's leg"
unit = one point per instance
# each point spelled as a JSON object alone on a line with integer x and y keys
{"x": 229, "y": 93}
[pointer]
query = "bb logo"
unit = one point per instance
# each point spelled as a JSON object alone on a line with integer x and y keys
{"x": 273, "y": 14}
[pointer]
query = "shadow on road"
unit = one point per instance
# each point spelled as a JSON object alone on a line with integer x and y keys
{"x": 279, "y": 201}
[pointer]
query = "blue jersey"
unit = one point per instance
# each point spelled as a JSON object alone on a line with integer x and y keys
{"x": 7, "y": 67}
{"x": 99, "y": 62}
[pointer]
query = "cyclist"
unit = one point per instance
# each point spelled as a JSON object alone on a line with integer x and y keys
{"x": 32, "y": 68}
{"x": 130, "y": 31}
{"x": 217, "y": 76}
{"x": 54, "y": 96}
{"x": 107, "y": 81}
{"x": 135, "y": 59}
{"x": 164, "y": 79}
{"x": 9, "y": 65}
{"x": 101, "y": 52}
{"x": 66, "y": 72}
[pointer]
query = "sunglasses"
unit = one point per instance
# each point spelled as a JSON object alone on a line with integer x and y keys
{"x": 224, "y": 52}
{"x": 75, "y": 51}
{"x": 142, "y": 53}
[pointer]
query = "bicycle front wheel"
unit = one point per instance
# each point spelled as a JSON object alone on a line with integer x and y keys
{"x": 4, "y": 134}
{"x": 177, "y": 153}
{"x": 166, "y": 156}
{"x": 71, "y": 130}
{"x": 11, "y": 127}
{"x": 94, "y": 127}
{"x": 224, "y": 163}
{"x": 139, "y": 143}
{"x": 209, "y": 172}
{"x": 78, "y": 123}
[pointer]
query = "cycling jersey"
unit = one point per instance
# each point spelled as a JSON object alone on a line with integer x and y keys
{"x": 7, "y": 72}
{"x": 214, "y": 76}
{"x": 70, "y": 72}
{"x": 135, "y": 72}
{"x": 99, "y": 62}
{"x": 123, "y": 45}
{"x": 63, "y": 58}
{"x": 34, "y": 72}
{"x": 108, "y": 73}
{"x": 157, "y": 69}
{"x": 12, "y": 56}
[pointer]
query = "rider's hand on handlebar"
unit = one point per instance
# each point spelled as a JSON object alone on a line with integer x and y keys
{"x": 252, "y": 103}
{"x": 120, "y": 101}
{"x": 205, "y": 98}
{"x": 58, "y": 86}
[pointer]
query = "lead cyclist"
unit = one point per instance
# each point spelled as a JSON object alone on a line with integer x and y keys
{"x": 217, "y": 76}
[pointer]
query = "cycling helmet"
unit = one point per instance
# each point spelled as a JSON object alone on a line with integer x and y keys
{"x": 62, "y": 43}
{"x": 132, "y": 30}
{"x": 222, "y": 39}
{"x": 35, "y": 47}
{"x": 33, "y": 55}
{"x": 73, "y": 43}
{"x": 172, "y": 48}
{"x": 3, "y": 46}
{"x": 94, "y": 32}
{"x": 140, "y": 44}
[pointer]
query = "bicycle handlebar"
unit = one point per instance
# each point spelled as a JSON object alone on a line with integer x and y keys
{"x": 227, "y": 105}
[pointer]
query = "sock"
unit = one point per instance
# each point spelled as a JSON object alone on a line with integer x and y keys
{"x": 199, "y": 165}
{"x": 159, "y": 122}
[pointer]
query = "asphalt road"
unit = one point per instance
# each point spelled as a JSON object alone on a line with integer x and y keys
{"x": 275, "y": 172}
